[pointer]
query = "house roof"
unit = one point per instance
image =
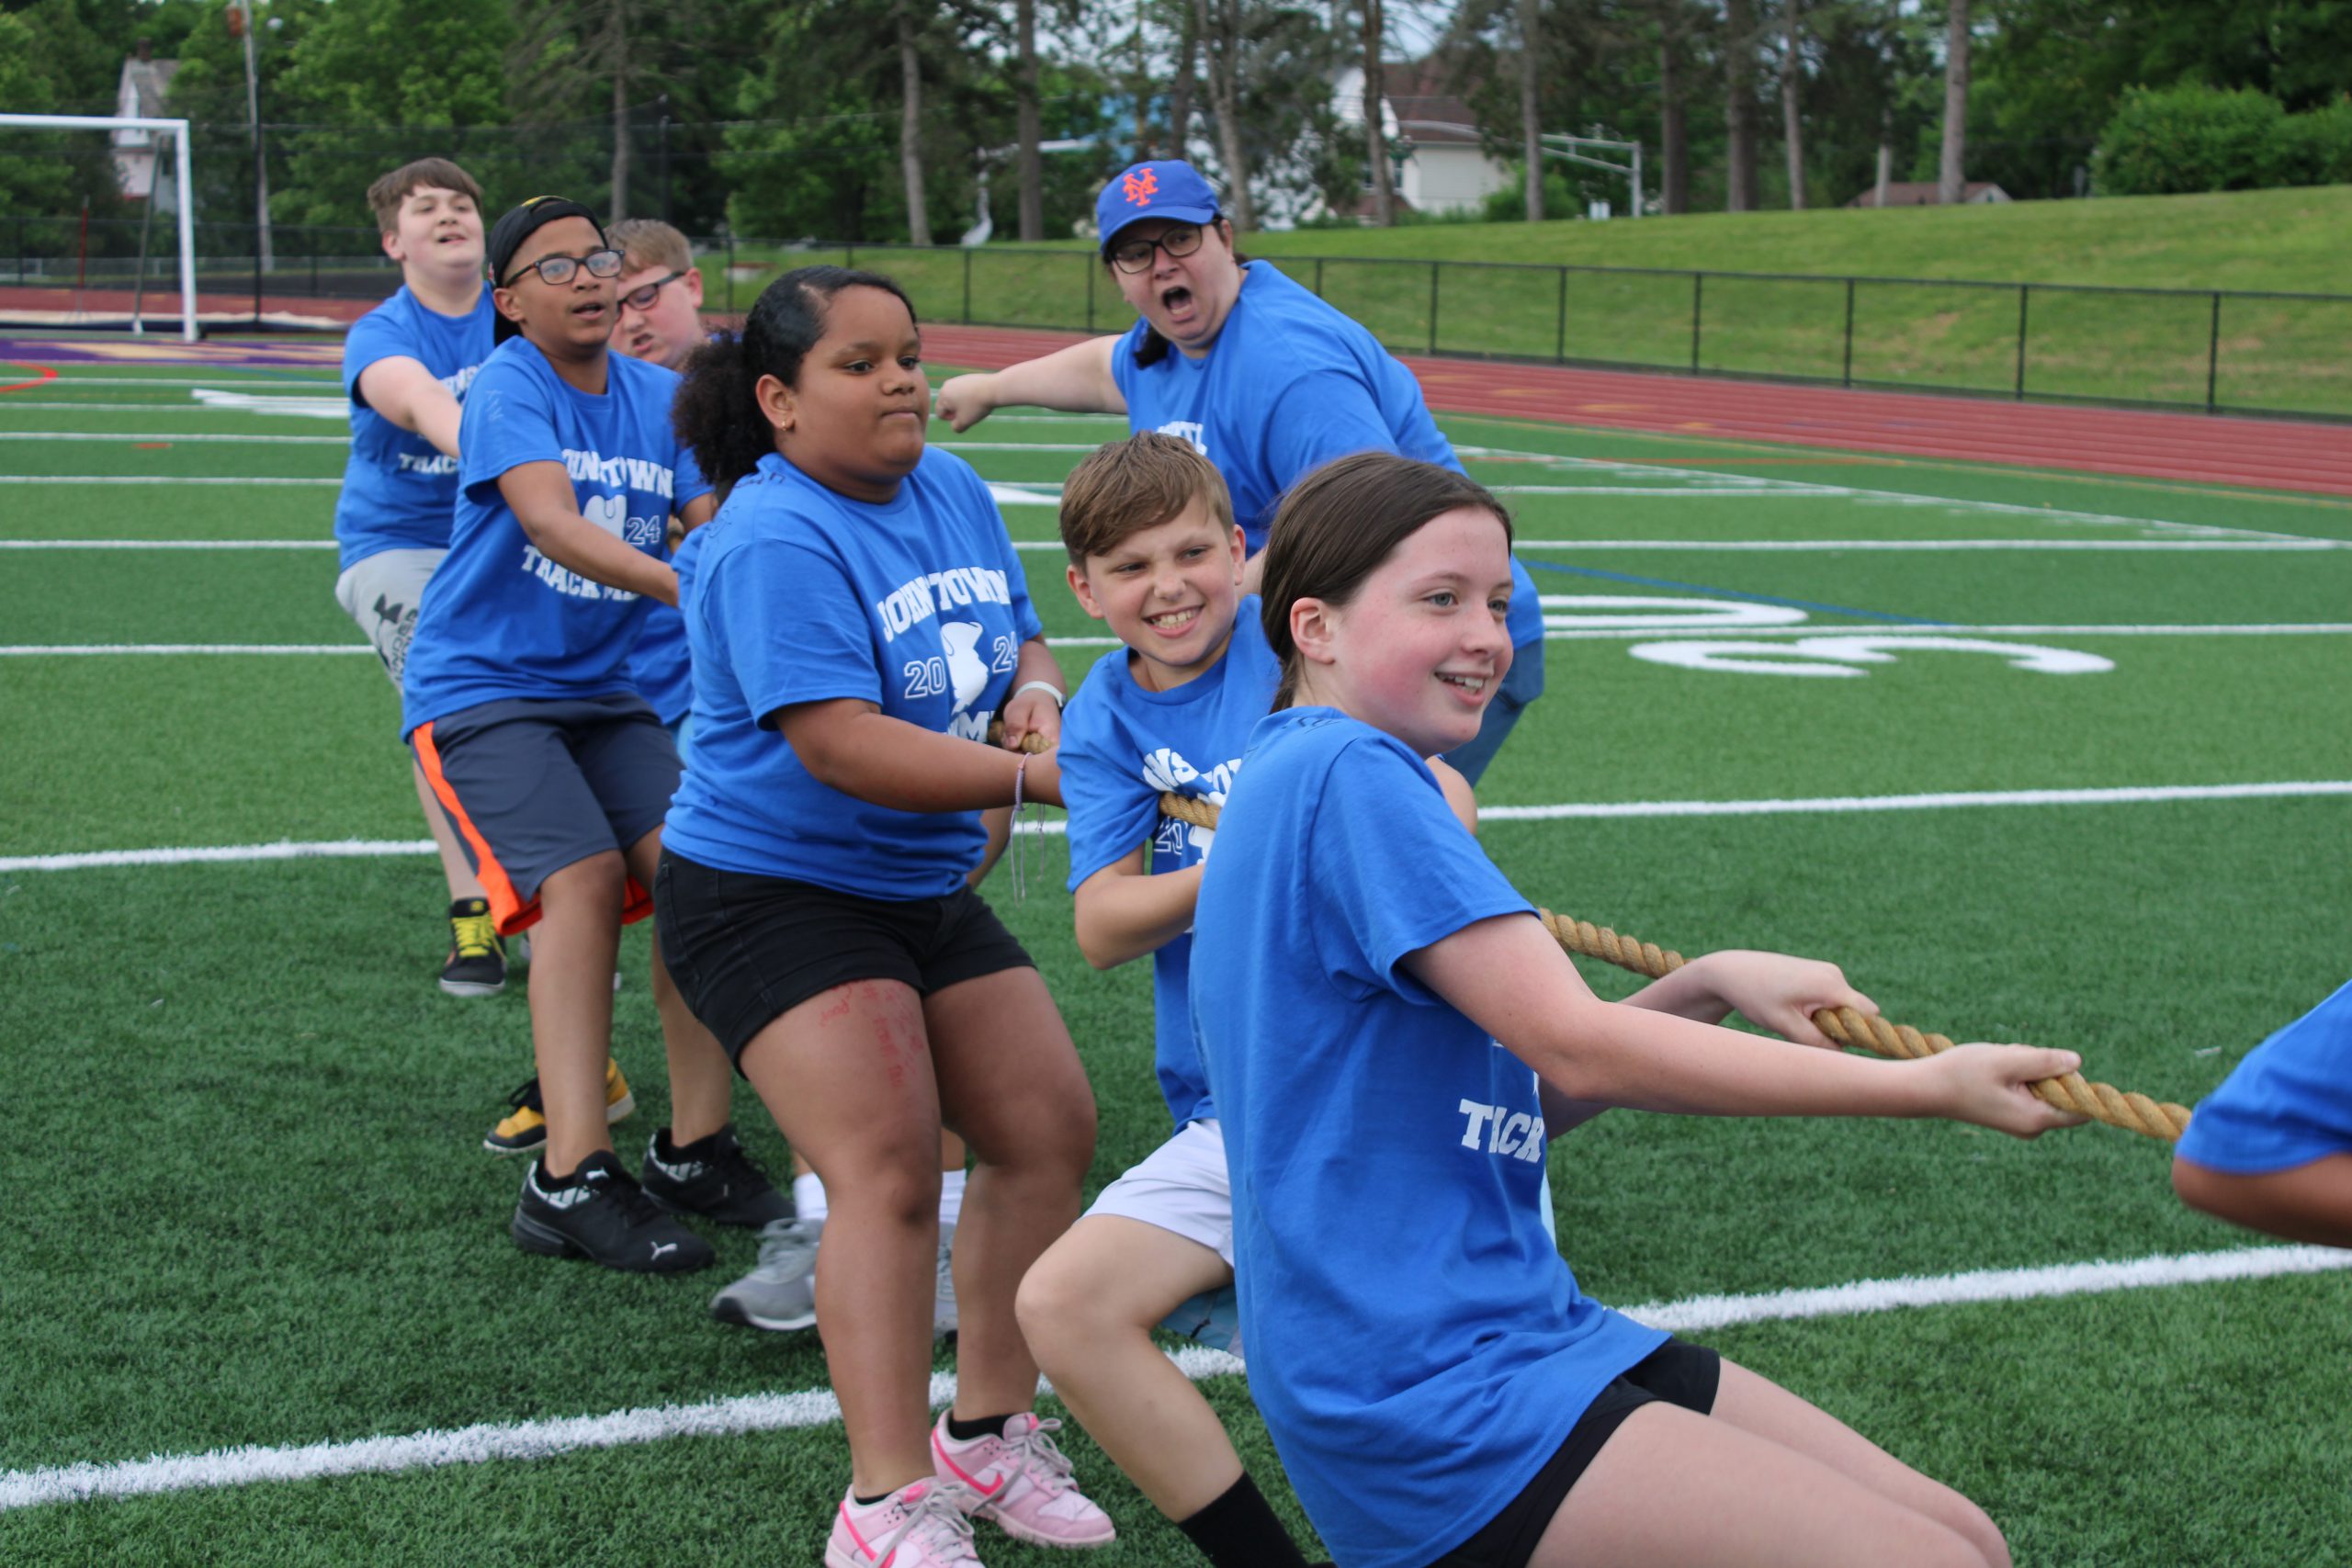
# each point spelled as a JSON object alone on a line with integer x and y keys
{"x": 1426, "y": 110}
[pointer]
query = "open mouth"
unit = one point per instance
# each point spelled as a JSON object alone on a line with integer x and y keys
{"x": 592, "y": 312}
{"x": 1177, "y": 303}
{"x": 1469, "y": 686}
{"x": 1174, "y": 623}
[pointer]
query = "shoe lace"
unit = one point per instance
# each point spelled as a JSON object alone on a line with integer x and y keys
{"x": 526, "y": 1098}
{"x": 937, "y": 1522}
{"x": 475, "y": 936}
{"x": 1039, "y": 1457}
{"x": 636, "y": 1208}
{"x": 737, "y": 1167}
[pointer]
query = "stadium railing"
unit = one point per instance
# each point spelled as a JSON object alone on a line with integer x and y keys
{"x": 2220, "y": 350}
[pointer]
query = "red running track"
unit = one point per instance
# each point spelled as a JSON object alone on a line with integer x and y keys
{"x": 2200, "y": 448}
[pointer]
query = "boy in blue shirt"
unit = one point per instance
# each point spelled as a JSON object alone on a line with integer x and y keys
{"x": 406, "y": 366}
{"x": 520, "y": 707}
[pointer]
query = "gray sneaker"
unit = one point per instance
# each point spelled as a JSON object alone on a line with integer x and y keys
{"x": 781, "y": 1293}
{"x": 943, "y": 1300}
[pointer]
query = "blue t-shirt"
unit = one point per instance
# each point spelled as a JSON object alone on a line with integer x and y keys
{"x": 501, "y": 620}
{"x": 1122, "y": 748}
{"x": 917, "y": 605}
{"x": 658, "y": 666}
{"x": 1402, "y": 1302}
{"x": 399, "y": 489}
{"x": 1290, "y": 384}
{"x": 2289, "y": 1103}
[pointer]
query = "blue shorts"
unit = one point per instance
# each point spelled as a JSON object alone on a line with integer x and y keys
{"x": 2289, "y": 1103}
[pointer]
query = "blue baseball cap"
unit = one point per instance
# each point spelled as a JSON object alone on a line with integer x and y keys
{"x": 1165, "y": 188}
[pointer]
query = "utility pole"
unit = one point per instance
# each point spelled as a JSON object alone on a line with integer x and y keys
{"x": 241, "y": 19}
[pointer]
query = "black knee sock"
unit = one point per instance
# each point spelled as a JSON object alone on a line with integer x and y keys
{"x": 980, "y": 1426}
{"x": 1240, "y": 1530}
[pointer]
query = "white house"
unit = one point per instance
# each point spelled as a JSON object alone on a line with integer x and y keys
{"x": 1445, "y": 170}
{"x": 139, "y": 95}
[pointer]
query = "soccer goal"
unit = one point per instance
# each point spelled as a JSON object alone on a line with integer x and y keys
{"x": 132, "y": 139}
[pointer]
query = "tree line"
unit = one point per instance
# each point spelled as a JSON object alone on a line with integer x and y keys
{"x": 894, "y": 119}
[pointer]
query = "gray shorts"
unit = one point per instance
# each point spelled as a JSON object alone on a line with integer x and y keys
{"x": 535, "y": 786}
{"x": 382, "y": 593}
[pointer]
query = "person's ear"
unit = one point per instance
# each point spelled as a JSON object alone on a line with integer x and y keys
{"x": 693, "y": 284}
{"x": 777, "y": 404}
{"x": 508, "y": 305}
{"x": 1241, "y": 552}
{"x": 1313, "y": 625}
{"x": 1084, "y": 590}
{"x": 391, "y": 239}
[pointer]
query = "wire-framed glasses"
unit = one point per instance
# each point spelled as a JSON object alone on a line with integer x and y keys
{"x": 1135, "y": 255}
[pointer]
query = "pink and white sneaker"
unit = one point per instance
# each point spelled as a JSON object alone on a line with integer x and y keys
{"x": 1020, "y": 1480}
{"x": 922, "y": 1525}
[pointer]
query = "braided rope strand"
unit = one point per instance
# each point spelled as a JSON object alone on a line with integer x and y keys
{"x": 2101, "y": 1102}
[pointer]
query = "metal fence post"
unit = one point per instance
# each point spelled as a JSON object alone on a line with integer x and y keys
{"x": 2213, "y": 353}
{"x": 1698, "y": 293}
{"x": 731, "y": 272}
{"x": 1560, "y": 340}
{"x": 1433, "y": 271}
{"x": 1090, "y": 294}
{"x": 1319, "y": 278}
{"x": 2024, "y": 289}
{"x": 968, "y": 286}
{"x": 256, "y": 275}
{"x": 1846, "y": 377}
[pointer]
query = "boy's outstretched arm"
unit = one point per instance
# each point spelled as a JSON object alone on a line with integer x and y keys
{"x": 412, "y": 396}
{"x": 1124, "y": 913}
{"x": 544, "y": 502}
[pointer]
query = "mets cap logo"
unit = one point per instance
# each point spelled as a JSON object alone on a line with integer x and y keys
{"x": 1140, "y": 188}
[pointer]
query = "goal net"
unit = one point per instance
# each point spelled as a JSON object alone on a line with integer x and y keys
{"x": 96, "y": 224}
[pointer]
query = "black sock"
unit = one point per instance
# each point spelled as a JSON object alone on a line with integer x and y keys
{"x": 551, "y": 1182}
{"x": 1240, "y": 1530}
{"x": 866, "y": 1502}
{"x": 985, "y": 1426}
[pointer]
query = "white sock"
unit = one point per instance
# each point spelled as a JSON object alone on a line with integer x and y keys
{"x": 951, "y": 1197}
{"x": 808, "y": 1197}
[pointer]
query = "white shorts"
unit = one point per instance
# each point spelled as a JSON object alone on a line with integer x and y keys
{"x": 382, "y": 594}
{"x": 1181, "y": 1186}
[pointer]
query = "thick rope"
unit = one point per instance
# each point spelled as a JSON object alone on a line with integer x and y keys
{"x": 2100, "y": 1102}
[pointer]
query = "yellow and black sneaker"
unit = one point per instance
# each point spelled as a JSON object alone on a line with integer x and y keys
{"x": 477, "y": 965}
{"x": 525, "y": 1127}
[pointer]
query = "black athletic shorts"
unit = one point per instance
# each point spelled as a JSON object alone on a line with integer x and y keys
{"x": 1677, "y": 1373}
{"x": 745, "y": 950}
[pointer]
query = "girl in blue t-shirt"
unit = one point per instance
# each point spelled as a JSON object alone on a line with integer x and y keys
{"x": 858, "y": 617}
{"x": 1440, "y": 1392}
{"x": 2271, "y": 1149}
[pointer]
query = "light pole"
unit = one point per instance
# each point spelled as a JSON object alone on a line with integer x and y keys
{"x": 242, "y": 18}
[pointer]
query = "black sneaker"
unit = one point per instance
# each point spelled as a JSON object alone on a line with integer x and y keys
{"x": 606, "y": 1218}
{"x": 476, "y": 965}
{"x": 714, "y": 1178}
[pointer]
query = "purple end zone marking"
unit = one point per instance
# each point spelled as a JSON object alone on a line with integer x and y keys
{"x": 156, "y": 349}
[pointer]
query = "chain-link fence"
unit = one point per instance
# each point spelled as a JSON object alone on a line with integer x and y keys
{"x": 2214, "y": 349}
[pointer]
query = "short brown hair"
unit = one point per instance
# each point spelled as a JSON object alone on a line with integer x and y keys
{"x": 646, "y": 242}
{"x": 1337, "y": 525}
{"x": 1124, "y": 487}
{"x": 387, "y": 194}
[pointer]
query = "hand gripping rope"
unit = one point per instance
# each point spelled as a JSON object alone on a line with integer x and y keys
{"x": 2100, "y": 1102}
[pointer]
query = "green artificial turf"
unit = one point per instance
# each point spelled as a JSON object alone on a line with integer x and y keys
{"x": 250, "y": 1206}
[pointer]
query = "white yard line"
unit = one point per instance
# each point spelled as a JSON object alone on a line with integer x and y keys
{"x": 2139, "y": 795}
{"x": 1037, "y": 494}
{"x": 309, "y": 383}
{"x": 155, "y": 480}
{"x": 818, "y": 1407}
{"x": 166, "y": 543}
{"x": 171, "y": 440}
{"x": 1679, "y": 631}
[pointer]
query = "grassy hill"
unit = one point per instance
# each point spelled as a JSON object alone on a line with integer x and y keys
{"x": 2292, "y": 240}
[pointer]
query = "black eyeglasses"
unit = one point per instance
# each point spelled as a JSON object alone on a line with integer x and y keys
{"x": 1135, "y": 255}
{"x": 642, "y": 297}
{"x": 558, "y": 269}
